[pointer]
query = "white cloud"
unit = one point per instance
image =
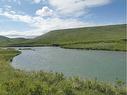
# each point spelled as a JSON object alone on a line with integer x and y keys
{"x": 95, "y": 3}
{"x": 8, "y": 7}
{"x": 20, "y": 34}
{"x": 45, "y": 11}
{"x": 39, "y": 24}
{"x": 15, "y": 1}
{"x": 57, "y": 23}
{"x": 12, "y": 15}
{"x": 36, "y": 1}
{"x": 42, "y": 25}
{"x": 67, "y": 7}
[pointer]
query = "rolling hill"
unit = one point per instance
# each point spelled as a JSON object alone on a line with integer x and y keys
{"x": 2, "y": 38}
{"x": 111, "y": 37}
{"x": 5, "y": 41}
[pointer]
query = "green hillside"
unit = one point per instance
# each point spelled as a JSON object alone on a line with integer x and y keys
{"x": 5, "y": 41}
{"x": 89, "y": 34}
{"x": 112, "y": 37}
{"x": 2, "y": 38}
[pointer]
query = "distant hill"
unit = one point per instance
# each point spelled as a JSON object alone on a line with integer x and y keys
{"x": 111, "y": 37}
{"x": 5, "y": 41}
{"x": 2, "y": 38}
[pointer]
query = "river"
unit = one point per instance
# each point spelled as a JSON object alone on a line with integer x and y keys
{"x": 103, "y": 65}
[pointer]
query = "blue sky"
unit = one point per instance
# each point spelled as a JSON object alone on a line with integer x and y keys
{"x": 31, "y": 18}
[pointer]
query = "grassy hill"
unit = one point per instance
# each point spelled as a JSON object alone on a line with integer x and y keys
{"x": 88, "y": 34}
{"x": 5, "y": 41}
{"x": 2, "y": 38}
{"x": 112, "y": 37}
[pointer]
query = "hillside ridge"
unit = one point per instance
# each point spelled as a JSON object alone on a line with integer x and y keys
{"x": 110, "y": 37}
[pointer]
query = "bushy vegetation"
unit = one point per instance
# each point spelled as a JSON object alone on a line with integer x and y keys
{"x": 16, "y": 82}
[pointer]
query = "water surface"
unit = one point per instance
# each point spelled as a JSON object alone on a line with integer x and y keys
{"x": 103, "y": 65}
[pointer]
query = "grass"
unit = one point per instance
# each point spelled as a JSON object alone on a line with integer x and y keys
{"x": 110, "y": 46}
{"x": 16, "y": 82}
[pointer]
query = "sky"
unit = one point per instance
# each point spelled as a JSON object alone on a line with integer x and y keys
{"x": 31, "y": 18}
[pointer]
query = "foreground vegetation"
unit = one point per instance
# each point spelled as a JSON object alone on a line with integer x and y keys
{"x": 16, "y": 82}
{"x": 112, "y": 37}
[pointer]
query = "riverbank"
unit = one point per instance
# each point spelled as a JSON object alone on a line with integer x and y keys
{"x": 111, "y": 45}
{"x": 107, "y": 46}
{"x": 16, "y": 82}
